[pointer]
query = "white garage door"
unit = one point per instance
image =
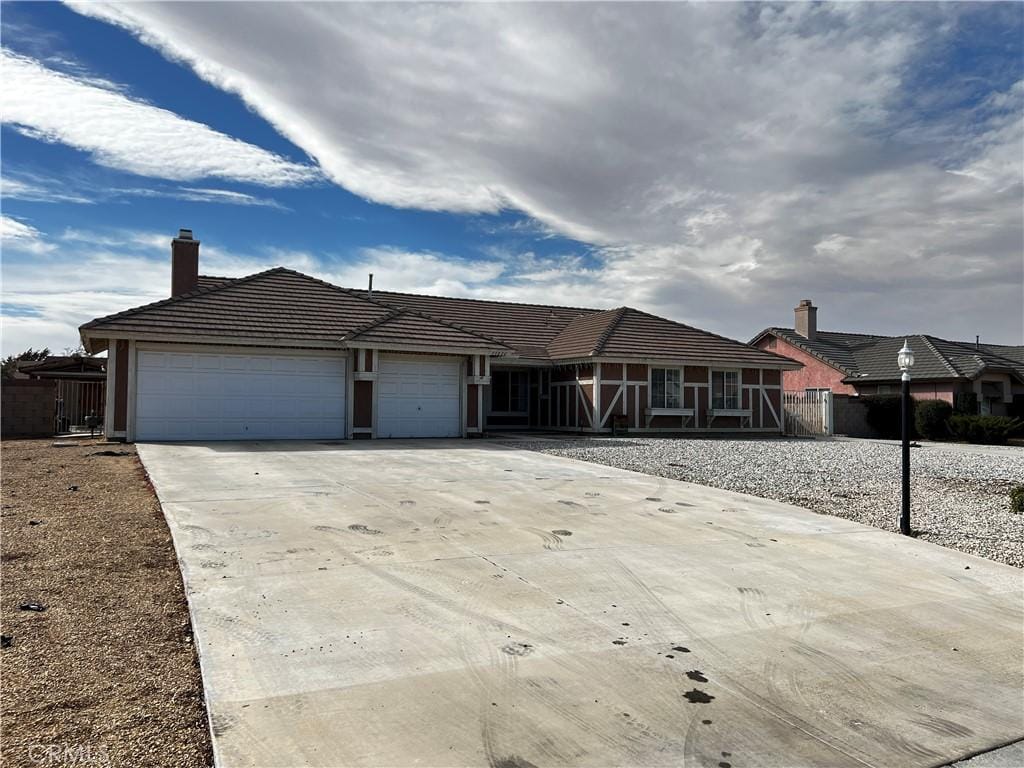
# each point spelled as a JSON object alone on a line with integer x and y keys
{"x": 226, "y": 396}
{"x": 419, "y": 398}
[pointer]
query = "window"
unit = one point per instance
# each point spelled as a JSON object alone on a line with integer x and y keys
{"x": 725, "y": 390}
{"x": 508, "y": 391}
{"x": 665, "y": 388}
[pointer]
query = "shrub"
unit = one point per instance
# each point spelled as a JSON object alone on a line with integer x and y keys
{"x": 930, "y": 418}
{"x": 883, "y": 415}
{"x": 987, "y": 430}
{"x": 1017, "y": 499}
{"x": 966, "y": 402}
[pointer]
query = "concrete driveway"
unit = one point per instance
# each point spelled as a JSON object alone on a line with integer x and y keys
{"x": 453, "y": 603}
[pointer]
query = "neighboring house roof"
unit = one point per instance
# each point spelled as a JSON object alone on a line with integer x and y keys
{"x": 282, "y": 305}
{"x": 64, "y": 366}
{"x": 868, "y": 358}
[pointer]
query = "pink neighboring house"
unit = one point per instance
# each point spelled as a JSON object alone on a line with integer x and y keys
{"x": 864, "y": 364}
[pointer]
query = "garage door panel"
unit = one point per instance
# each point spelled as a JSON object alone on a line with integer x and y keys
{"x": 205, "y": 384}
{"x": 230, "y": 396}
{"x": 419, "y": 398}
{"x": 180, "y": 361}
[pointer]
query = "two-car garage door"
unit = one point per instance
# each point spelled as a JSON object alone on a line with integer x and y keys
{"x": 223, "y": 396}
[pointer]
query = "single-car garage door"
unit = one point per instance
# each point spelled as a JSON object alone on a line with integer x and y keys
{"x": 229, "y": 396}
{"x": 419, "y": 397}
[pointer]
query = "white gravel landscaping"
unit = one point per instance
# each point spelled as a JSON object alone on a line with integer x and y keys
{"x": 960, "y": 494}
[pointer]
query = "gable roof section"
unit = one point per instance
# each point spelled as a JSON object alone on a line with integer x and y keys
{"x": 584, "y": 336}
{"x": 527, "y": 328}
{"x": 277, "y": 304}
{"x": 836, "y": 349}
{"x": 643, "y": 335}
{"x": 972, "y": 359}
{"x": 865, "y": 358}
{"x": 402, "y": 328}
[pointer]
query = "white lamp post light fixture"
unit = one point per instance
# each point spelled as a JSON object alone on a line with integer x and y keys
{"x": 905, "y": 360}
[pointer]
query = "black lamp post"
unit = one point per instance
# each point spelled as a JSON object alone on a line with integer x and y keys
{"x": 905, "y": 359}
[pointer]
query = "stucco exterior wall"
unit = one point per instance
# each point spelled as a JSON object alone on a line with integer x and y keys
{"x": 814, "y": 375}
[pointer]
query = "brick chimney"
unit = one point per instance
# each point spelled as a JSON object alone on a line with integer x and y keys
{"x": 184, "y": 263}
{"x": 806, "y": 322}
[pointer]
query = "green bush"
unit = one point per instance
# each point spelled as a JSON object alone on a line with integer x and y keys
{"x": 883, "y": 415}
{"x": 930, "y": 418}
{"x": 987, "y": 430}
{"x": 966, "y": 402}
{"x": 1017, "y": 499}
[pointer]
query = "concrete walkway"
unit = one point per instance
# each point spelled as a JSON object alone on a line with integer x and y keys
{"x": 455, "y": 603}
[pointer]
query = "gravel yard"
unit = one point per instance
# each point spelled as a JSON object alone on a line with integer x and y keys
{"x": 107, "y": 673}
{"x": 960, "y": 494}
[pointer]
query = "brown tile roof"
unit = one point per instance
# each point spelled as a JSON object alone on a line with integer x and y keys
{"x": 402, "y": 325}
{"x": 286, "y": 306}
{"x": 528, "y": 328}
{"x": 276, "y": 304}
{"x": 585, "y": 335}
{"x": 639, "y": 334}
{"x": 211, "y": 281}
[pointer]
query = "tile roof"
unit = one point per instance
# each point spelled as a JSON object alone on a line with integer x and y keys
{"x": 864, "y": 357}
{"x": 398, "y": 327}
{"x": 276, "y": 304}
{"x": 640, "y": 334}
{"x": 282, "y": 305}
{"x": 528, "y": 328}
{"x": 212, "y": 281}
{"x": 585, "y": 335}
{"x": 545, "y": 332}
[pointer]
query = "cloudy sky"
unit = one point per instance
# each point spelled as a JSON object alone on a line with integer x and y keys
{"x": 712, "y": 163}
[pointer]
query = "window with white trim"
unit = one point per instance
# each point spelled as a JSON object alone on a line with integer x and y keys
{"x": 508, "y": 391}
{"x": 725, "y": 390}
{"x": 665, "y": 388}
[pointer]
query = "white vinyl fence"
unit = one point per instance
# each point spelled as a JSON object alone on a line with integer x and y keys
{"x": 808, "y": 413}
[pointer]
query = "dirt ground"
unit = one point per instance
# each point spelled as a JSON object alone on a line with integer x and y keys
{"x": 107, "y": 675}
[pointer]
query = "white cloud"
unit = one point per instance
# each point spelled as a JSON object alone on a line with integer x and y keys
{"x": 38, "y": 188}
{"x": 200, "y": 195}
{"x": 395, "y": 269}
{"x": 131, "y": 135}
{"x": 709, "y": 151}
{"x": 16, "y": 235}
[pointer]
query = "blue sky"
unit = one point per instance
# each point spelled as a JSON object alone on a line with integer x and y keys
{"x": 712, "y": 163}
